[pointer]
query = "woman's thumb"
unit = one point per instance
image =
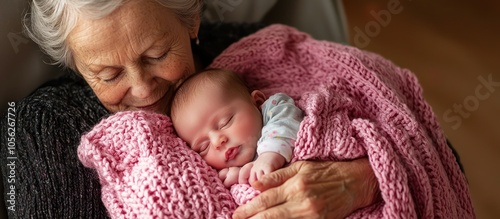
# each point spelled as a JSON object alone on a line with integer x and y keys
{"x": 277, "y": 177}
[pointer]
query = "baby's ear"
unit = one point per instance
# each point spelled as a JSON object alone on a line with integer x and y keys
{"x": 258, "y": 97}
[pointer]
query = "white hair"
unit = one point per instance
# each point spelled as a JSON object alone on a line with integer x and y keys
{"x": 51, "y": 21}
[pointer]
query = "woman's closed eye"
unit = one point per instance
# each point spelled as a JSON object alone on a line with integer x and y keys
{"x": 110, "y": 77}
{"x": 154, "y": 59}
{"x": 161, "y": 57}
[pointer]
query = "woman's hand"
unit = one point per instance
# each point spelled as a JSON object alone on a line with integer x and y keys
{"x": 308, "y": 189}
{"x": 266, "y": 163}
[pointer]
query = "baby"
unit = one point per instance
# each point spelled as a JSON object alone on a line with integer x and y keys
{"x": 240, "y": 133}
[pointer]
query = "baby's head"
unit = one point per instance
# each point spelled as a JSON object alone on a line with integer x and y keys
{"x": 218, "y": 116}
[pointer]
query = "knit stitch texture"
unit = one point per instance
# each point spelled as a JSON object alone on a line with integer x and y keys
{"x": 147, "y": 172}
{"x": 356, "y": 104}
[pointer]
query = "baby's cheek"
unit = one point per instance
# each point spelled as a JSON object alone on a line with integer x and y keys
{"x": 215, "y": 160}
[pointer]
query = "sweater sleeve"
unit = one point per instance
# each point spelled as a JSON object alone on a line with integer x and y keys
{"x": 42, "y": 176}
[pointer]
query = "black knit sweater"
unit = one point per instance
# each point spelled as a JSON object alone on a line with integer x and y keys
{"x": 43, "y": 168}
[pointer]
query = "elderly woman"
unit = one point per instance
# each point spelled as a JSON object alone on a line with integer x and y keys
{"x": 131, "y": 56}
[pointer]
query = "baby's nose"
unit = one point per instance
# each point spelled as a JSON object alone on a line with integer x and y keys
{"x": 219, "y": 141}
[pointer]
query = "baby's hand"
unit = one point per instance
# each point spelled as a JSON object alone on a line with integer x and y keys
{"x": 266, "y": 163}
{"x": 229, "y": 176}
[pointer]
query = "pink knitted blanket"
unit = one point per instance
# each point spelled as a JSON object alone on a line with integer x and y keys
{"x": 356, "y": 103}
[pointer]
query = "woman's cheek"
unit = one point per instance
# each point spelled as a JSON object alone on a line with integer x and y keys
{"x": 112, "y": 97}
{"x": 170, "y": 71}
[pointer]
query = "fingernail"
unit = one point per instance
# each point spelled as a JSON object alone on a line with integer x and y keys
{"x": 235, "y": 216}
{"x": 257, "y": 184}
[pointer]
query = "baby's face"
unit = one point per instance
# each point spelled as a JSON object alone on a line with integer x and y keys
{"x": 223, "y": 129}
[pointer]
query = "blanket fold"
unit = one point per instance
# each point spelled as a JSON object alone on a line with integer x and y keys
{"x": 146, "y": 171}
{"x": 356, "y": 104}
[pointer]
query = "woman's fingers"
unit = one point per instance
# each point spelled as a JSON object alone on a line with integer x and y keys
{"x": 274, "y": 194}
{"x": 310, "y": 190}
{"x": 277, "y": 177}
{"x": 294, "y": 199}
{"x": 303, "y": 209}
{"x": 280, "y": 211}
{"x": 270, "y": 198}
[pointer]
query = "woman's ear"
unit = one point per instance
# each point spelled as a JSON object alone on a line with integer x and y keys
{"x": 258, "y": 97}
{"x": 193, "y": 33}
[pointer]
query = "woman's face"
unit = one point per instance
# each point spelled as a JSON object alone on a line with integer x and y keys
{"x": 135, "y": 57}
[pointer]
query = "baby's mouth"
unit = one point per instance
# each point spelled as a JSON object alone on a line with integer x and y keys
{"x": 232, "y": 152}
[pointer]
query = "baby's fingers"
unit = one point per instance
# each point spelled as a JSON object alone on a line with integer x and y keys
{"x": 261, "y": 173}
{"x": 245, "y": 173}
{"x": 253, "y": 176}
{"x": 257, "y": 173}
{"x": 223, "y": 174}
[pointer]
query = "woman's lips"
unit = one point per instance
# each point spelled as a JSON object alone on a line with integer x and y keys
{"x": 154, "y": 106}
{"x": 150, "y": 107}
{"x": 232, "y": 152}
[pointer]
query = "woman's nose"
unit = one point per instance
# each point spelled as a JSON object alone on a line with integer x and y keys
{"x": 141, "y": 83}
{"x": 218, "y": 140}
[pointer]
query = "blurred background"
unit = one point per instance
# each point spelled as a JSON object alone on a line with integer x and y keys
{"x": 22, "y": 66}
{"x": 452, "y": 47}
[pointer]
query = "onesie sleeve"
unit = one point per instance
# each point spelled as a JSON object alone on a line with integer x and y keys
{"x": 281, "y": 119}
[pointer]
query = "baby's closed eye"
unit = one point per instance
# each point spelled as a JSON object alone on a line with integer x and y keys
{"x": 201, "y": 148}
{"x": 225, "y": 122}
